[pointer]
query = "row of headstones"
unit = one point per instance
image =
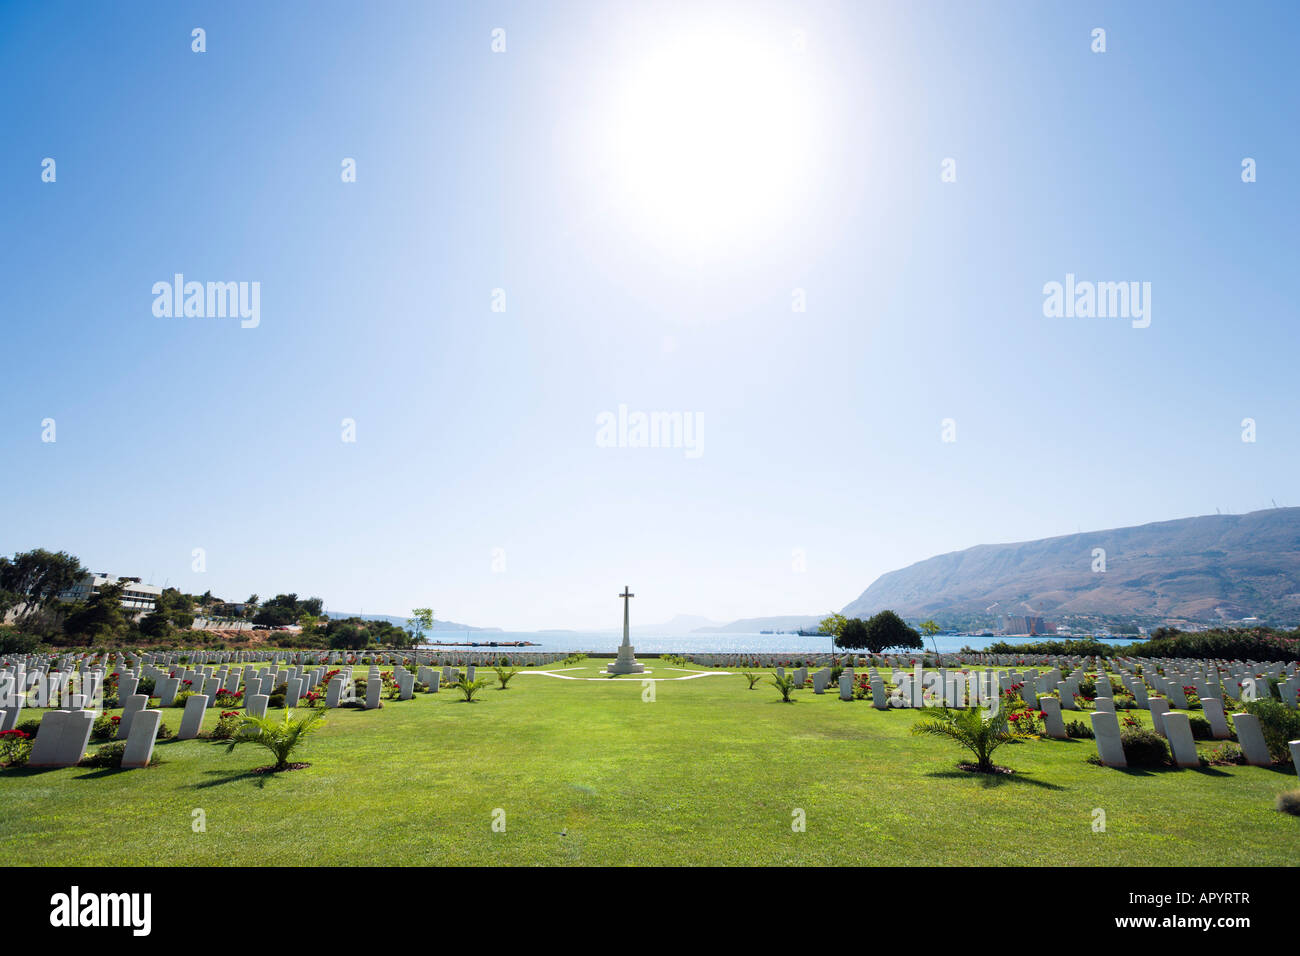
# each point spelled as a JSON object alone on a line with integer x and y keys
{"x": 63, "y": 735}
{"x": 76, "y": 690}
{"x": 1176, "y": 728}
{"x": 211, "y": 682}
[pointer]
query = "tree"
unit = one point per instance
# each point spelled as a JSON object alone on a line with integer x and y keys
{"x": 421, "y": 620}
{"x": 285, "y": 609}
{"x": 852, "y": 635}
{"x": 345, "y": 636}
{"x": 887, "y": 629}
{"x": 930, "y": 629}
{"x": 157, "y": 624}
{"x": 833, "y": 624}
{"x": 33, "y": 580}
{"x": 102, "y": 618}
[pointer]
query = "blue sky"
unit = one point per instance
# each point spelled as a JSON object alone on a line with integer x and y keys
{"x": 561, "y": 170}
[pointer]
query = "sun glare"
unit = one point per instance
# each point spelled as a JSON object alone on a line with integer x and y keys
{"x": 709, "y": 140}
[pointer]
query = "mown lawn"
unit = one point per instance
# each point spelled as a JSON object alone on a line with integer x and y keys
{"x": 708, "y": 772}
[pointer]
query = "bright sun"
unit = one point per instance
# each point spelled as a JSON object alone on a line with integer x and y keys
{"x": 709, "y": 142}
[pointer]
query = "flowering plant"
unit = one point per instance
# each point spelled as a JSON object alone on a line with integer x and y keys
{"x": 15, "y": 748}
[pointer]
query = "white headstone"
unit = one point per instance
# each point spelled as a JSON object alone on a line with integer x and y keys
{"x": 192, "y": 718}
{"x": 130, "y": 707}
{"x": 1055, "y": 725}
{"x": 1178, "y": 731}
{"x": 1251, "y": 739}
{"x": 139, "y": 743}
{"x": 1110, "y": 747}
{"x": 1213, "y": 708}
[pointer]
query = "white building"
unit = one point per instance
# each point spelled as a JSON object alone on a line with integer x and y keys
{"x": 137, "y": 599}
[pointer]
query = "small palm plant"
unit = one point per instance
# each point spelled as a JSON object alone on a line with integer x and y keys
{"x": 971, "y": 729}
{"x": 752, "y": 678}
{"x": 281, "y": 737}
{"x": 785, "y": 683}
{"x": 504, "y": 674}
{"x": 469, "y": 687}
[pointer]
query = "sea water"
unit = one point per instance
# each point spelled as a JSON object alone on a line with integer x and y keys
{"x": 711, "y": 643}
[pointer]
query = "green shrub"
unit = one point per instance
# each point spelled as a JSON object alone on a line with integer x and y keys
{"x": 180, "y": 699}
{"x": 752, "y": 678}
{"x": 971, "y": 729}
{"x": 468, "y": 688}
{"x": 227, "y": 723}
{"x": 280, "y": 737}
{"x": 786, "y": 685}
{"x": 1079, "y": 730}
{"x": 104, "y": 728}
{"x": 504, "y": 674}
{"x": 1201, "y": 729}
{"x": 1289, "y": 802}
{"x": 1144, "y": 748}
{"x": 275, "y": 701}
{"x": 1229, "y": 755}
{"x": 109, "y": 756}
{"x": 1279, "y": 723}
{"x": 15, "y": 748}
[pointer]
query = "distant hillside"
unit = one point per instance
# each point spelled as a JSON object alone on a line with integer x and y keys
{"x": 752, "y": 625}
{"x": 679, "y": 625}
{"x": 1211, "y": 568}
{"x": 401, "y": 621}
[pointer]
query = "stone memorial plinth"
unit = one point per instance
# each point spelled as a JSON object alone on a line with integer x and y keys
{"x": 626, "y": 662}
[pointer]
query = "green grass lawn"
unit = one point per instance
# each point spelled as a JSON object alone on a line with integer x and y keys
{"x": 586, "y": 771}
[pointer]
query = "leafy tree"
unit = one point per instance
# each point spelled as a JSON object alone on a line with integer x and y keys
{"x": 421, "y": 620}
{"x": 833, "y": 624}
{"x": 33, "y": 580}
{"x": 14, "y": 641}
{"x": 285, "y": 609}
{"x": 157, "y": 624}
{"x": 930, "y": 629}
{"x": 887, "y": 629}
{"x": 102, "y": 618}
{"x": 346, "y": 635}
{"x": 853, "y": 635}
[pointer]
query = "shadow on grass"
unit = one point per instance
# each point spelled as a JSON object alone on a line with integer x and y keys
{"x": 988, "y": 780}
{"x": 222, "y": 777}
{"x": 1154, "y": 771}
